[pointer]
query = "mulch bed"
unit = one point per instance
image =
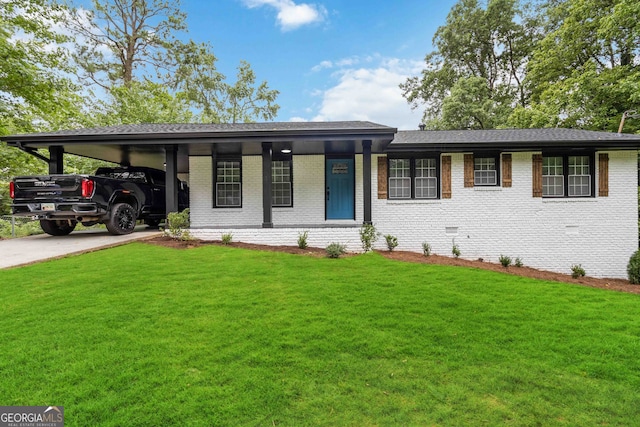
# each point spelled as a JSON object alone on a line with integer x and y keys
{"x": 620, "y": 285}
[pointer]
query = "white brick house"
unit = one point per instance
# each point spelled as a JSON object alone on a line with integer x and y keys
{"x": 553, "y": 197}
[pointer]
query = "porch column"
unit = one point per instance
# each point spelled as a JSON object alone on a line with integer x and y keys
{"x": 267, "y": 220}
{"x": 171, "y": 178}
{"x": 366, "y": 179}
{"x": 56, "y": 160}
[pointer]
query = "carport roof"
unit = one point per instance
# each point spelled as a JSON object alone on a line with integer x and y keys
{"x": 144, "y": 144}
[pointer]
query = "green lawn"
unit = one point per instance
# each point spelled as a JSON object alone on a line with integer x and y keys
{"x": 141, "y": 335}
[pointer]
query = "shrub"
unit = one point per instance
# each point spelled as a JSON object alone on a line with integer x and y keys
{"x": 392, "y": 242}
{"x": 302, "y": 239}
{"x": 455, "y": 250}
{"x": 505, "y": 261}
{"x": 633, "y": 268}
{"x": 518, "y": 262}
{"x": 178, "y": 224}
{"x": 368, "y": 236}
{"x": 334, "y": 250}
{"x": 426, "y": 249}
{"x": 577, "y": 271}
{"x": 227, "y": 238}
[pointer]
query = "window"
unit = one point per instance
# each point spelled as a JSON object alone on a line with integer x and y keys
{"x": 485, "y": 171}
{"x": 552, "y": 177}
{"x": 228, "y": 184}
{"x": 426, "y": 181}
{"x": 413, "y": 178}
{"x": 399, "y": 179}
{"x": 281, "y": 189}
{"x": 567, "y": 176}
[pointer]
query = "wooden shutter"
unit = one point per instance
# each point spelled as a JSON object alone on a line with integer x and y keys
{"x": 537, "y": 175}
{"x": 446, "y": 177}
{"x": 468, "y": 170}
{"x": 506, "y": 170}
{"x": 603, "y": 175}
{"x": 382, "y": 177}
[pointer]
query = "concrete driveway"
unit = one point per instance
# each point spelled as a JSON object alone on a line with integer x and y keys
{"x": 27, "y": 250}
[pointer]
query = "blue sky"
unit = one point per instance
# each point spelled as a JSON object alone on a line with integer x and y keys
{"x": 330, "y": 59}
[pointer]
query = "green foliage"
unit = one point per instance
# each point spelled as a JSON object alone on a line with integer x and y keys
{"x": 577, "y": 271}
{"x": 227, "y": 238}
{"x": 392, "y": 242}
{"x": 582, "y": 73}
{"x": 302, "y": 239}
{"x": 455, "y": 250}
{"x": 123, "y": 39}
{"x": 518, "y": 262}
{"x": 426, "y": 249}
{"x": 529, "y": 64}
{"x": 368, "y": 236}
{"x": 505, "y": 261}
{"x": 334, "y": 250}
{"x": 475, "y": 76}
{"x": 633, "y": 268}
{"x": 142, "y": 102}
{"x": 178, "y": 224}
{"x": 22, "y": 227}
{"x": 35, "y": 89}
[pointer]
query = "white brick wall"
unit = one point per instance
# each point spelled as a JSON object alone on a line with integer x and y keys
{"x": 600, "y": 233}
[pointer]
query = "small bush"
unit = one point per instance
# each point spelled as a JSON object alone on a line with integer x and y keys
{"x": 368, "y": 236}
{"x": 178, "y": 224}
{"x": 392, "y": 242}
{"x": 455, "y": 250}
{"x": 426, "y": 249}
{"x": 633, "y": 268}
{"x": 518, "y": 262}
{"x": 227, "y": 238}
{"x": 334, "y": 250}
{"x": 577, "y": 271}
{"x": 505, "y": 261}
{"x": 302, "y": 239}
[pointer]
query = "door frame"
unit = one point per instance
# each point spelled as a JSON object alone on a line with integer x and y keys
{"x": 340, "y": 157}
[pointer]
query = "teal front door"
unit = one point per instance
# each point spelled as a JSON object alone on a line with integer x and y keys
{"x": 340, "y": 189}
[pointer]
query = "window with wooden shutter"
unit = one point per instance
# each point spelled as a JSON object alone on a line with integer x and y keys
{"x": 603, "y": 175}
{"x": 537, "y": 175}
{"x": 382, "y": 177}
{"x": 468, "y": 170}
{"x": 506, "y": 170}
{"x": 446, "y": 177}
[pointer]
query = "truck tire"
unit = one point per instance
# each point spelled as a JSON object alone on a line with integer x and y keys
{"x": 122, "y": 219}
{"x": 57, "y": 227}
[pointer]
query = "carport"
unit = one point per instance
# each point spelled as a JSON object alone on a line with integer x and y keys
{"x": 169, "y": 146}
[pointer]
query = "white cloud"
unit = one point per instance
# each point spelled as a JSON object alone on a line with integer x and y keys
{"x": 371, "y": 94}
{"x": 298, "y": 119}
{"x": 291, "y": 15}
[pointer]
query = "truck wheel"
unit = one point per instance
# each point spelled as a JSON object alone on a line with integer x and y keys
{"x": 122, "y": 219}
{"x": 57, "y": 227}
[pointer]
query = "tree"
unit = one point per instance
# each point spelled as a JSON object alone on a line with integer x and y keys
{"x": 220, "y": 102}
{"x": 243, "y": 102}
{"x": 483, "y": 46}
{"x": 142, "y": 102}
{"x": 135, "y": 33}
{"x": 33, "y": 82}
{"x": 586, "y": 71}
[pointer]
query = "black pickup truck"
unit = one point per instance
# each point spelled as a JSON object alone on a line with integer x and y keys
{"x": 116, "y": 197}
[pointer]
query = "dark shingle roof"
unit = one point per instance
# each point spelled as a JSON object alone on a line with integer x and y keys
{"x": 515, "y": 139}
{"x": 193, "y": 129}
